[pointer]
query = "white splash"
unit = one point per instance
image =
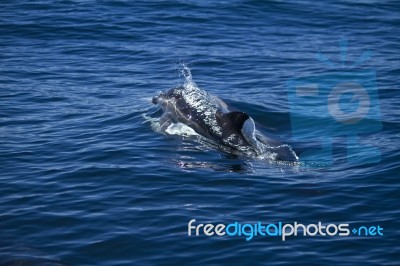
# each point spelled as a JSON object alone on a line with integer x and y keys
{"x": 200, "y": 100}
{"x": 180, "y": 129}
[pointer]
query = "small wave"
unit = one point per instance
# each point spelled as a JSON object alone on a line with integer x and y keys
{"x": 180, "y": 129}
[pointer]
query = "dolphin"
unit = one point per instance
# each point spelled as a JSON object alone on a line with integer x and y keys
{"x": 211, "y": 118}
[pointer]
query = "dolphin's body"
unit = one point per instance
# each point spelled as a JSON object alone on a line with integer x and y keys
{"x": 210, "y": 117}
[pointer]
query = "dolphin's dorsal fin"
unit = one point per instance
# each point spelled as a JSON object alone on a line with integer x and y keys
{"x": 231, "y": 122}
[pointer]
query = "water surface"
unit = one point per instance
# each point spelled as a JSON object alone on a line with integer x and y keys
{"x": 86, "y": 180}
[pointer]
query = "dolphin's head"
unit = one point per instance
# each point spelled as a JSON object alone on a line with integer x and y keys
{"x": 166, "y": 100}
{"x": 155, "y": 100}
{"x": 173, "y": 103}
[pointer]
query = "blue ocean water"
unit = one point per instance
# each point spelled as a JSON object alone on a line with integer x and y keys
{"x": 86, "y": 180}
